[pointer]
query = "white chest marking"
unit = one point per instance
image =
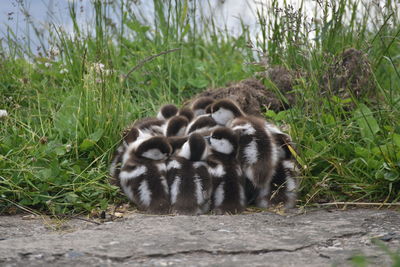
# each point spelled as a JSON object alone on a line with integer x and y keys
{"x": 161, "y": 167}
{"x": 217, "y": 171}
{"x": 173, "y": 164}
{"x": 164, "y": 184}
{"x": 221, "y": 145}
{"x": 185, "y": 151}
{"x": 145, "y": 194}
{"x": 199, "y": 190}
{"x": 175, "y": 189}
{"x": 251, "y": 152}
{"x": 288, "y": 164}
{"x": 290, "y": 184}
{"x": 199, "y": 164}
{"x": 125, "y": 176}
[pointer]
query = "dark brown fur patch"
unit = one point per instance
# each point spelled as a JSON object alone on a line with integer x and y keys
{"x": 131, "y": 135}
{"x": 175, "y": 124}
{"x": 201, "y": 122}
{"x": 202, "y": 102}
{"x": 177, "y": 142}
{"x": 186, "y": 112}
{"x": 168, "y": 111}
{"x": 197, "y": 146}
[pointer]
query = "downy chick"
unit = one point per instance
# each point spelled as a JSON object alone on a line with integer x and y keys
{"x": 143, "y": 174}
{"x": 129, "y": 136}
{"x": 224, "y": 168}
{"x": 203, "y": 125}
{"x": 176, "y": 126}
{"x": 200, "y": 105}
{"x": 258, "y": 152}
{"x": 188, "y": 178}
{"x": 167, "y": 111}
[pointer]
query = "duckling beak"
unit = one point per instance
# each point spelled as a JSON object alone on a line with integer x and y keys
{"x": 207, "y": 138}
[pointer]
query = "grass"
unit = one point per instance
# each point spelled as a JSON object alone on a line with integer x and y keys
{"x": 68, "y": 104}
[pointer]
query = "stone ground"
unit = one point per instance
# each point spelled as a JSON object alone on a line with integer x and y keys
{"x": 314, "y": 238}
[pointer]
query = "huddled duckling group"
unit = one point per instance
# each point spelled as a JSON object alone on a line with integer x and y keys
{"x": 210, "y": 156}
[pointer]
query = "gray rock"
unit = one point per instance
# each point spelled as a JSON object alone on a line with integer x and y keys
{"x": 314, "y": 238}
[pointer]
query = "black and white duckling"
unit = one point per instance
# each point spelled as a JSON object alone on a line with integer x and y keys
{"x": 203, "y": 124}
{"x": 224, "y": 168}
{"x": 186, "y": 112}
{"x": 167, "y": 111}
{"x": 150, "y": 126}
{"x": 188, "y": 178}
{"x": 258, "y": 151}
{"x": 284, "y": 184}
{"x": 223, "y": 111}
{"x": 258, "y": 154}
{"x": 176, "y": 126}
{"x": 129, "y": 136}
{"x": 200, "y": 105}
{"x": 177, "y": 142}
{"x": 143, "y": 174}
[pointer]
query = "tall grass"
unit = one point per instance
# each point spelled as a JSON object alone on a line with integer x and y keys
{"x": 69, "y": 104}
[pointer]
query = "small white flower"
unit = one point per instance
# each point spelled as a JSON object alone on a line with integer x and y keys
{"x": 62, "y": 71}
{"x": 47, "y": 64}
{"x": 98, "y": 67}
{"x": 54, "y": 51}
{"x": 68, "y": 147}
{"x": 3, "y": 113}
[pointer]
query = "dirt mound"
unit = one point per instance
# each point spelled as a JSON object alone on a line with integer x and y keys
{"x": 250, "y": 94}
{"x": 349, "y": 75}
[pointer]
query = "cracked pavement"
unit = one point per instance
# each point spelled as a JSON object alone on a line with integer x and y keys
{"x": 315, "y": 238}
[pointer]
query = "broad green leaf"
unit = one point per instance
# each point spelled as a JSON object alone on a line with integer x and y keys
{"x": 96, "y": 135}
{"x": 396, "y": 139}
{"x": 366, "y": 122}
{"x": 86, "y": 144}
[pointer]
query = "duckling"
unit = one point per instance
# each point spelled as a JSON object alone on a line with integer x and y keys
{"x": 284, "y": 184}
{"x": 224, "y": 111}
{"x": 150, "y": 126}
{"x": 258, "y": 154}
{"x": 143, "y": 174}
{"x": 129, "y": 136}
{"x": 167, "y": 111}
{"x": 258, "y": 151}
{"x": 200, "y": 104}
{"x": 188, "y": 178}
{"x": 176, "y": 126}
{"x": 203, "y": 124}
{"x": 176, "y": 142}
{"x": 186, "y": 112}
{"x": 224, "y": 168}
